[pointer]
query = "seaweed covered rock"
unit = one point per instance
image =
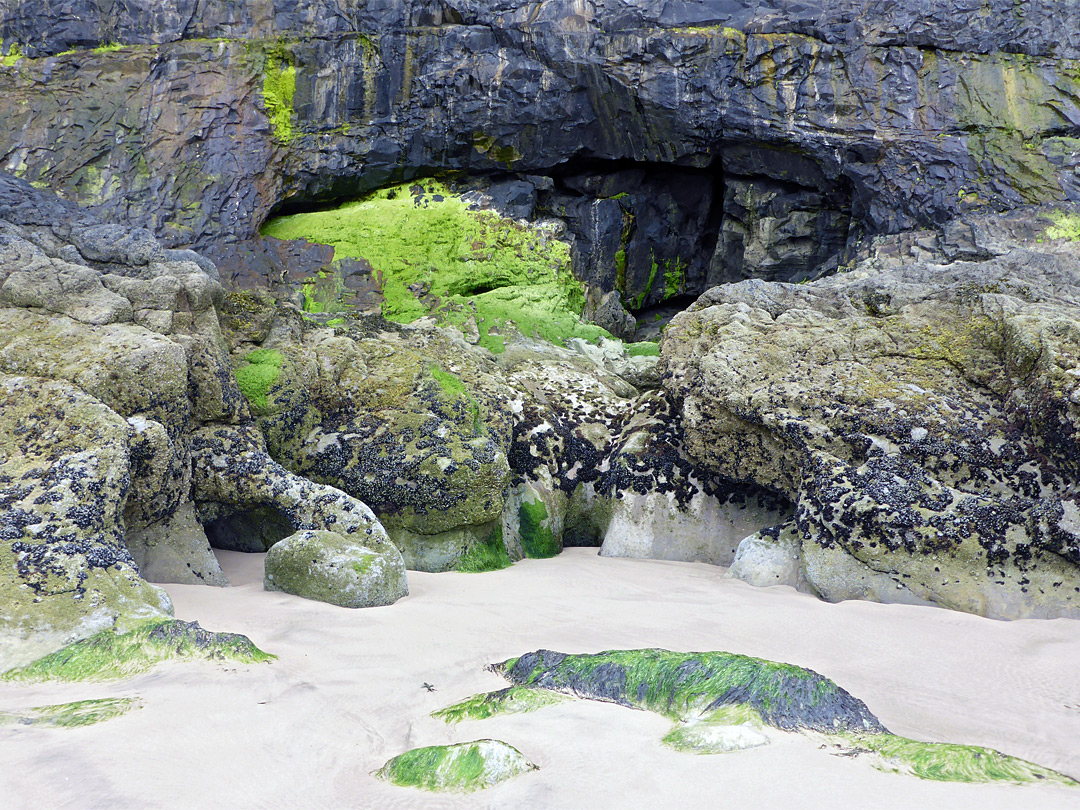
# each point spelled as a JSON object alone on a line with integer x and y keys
{"x": 412, "y": 421}
{"x": 329, "y": 567}
{"x": 685, "y": 685}
{"x": 111, "y": 654}
{"x": 461, "y": 767}
{"x": 65, "y": 572}
{"x": 921, "y": 415}
{"x": 723, "y": 702}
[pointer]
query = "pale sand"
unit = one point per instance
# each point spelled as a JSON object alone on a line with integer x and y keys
{"x": 345, "y": 695}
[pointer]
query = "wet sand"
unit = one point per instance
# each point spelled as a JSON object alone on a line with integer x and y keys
{"x": 346, "y": 694}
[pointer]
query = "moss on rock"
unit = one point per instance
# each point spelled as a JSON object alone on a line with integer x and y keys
{"x": 110, "y": 655}
{"x": 332, "y": 568}
{"x": 512, "y": 700}
{"x": 462, "y": 767}
{"x": 490, "y": 555}
{"x": 257, "y": 374}
{"x": 432, "y": 254}
{"x": 537, "y": 539}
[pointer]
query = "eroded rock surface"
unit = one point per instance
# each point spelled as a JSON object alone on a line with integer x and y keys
{"x": 921, "y": 415}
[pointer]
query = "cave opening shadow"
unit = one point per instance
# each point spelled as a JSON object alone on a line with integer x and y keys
{"x": 251, "y": 530}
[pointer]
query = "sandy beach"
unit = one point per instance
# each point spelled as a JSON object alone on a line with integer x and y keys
{"x": 346, "y": 693}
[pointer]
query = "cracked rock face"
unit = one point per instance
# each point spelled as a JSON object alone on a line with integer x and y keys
{"x": 920, "y": 415}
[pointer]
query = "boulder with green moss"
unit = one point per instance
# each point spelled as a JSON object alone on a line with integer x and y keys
{"x": 330, "y": 567}
{"x": 413, "y": 421}
{"x": 459, "y": 768}
{"x": 922, "y": 416}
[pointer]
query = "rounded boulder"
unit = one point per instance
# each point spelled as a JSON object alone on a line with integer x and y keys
{"x": 334, "y": 568}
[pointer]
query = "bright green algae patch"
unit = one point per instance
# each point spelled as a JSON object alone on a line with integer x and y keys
{"x": 491, "y": 555}
{"x": 279, "y": 87}
{"x": 687, "y": 685}
{"x": 537, "y": 539}
{"x": 462, "y": 767}
{"x": 71, "y": 715}
{"x": 110, "y": 655}
{"x": 260, "y": 371}
{"x": 643, "y": 348}
{"x": 946, "y": 762}
{"x": 512, "y": 700}
{"x": 431, "y": 254}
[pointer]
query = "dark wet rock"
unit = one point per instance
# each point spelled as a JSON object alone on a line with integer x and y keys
{"x": 920, "y": 413}
{"x": 684, "y": 143}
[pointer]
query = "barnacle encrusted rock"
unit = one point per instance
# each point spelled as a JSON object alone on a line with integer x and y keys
{"x": 922, "y": 416}
{"x": 329, "y": 567}
{"x": 411, "y": 421}
{"x": 65, "y": 572}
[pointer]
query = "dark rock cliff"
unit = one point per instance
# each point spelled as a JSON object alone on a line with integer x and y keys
{"x": 685, "y": 143}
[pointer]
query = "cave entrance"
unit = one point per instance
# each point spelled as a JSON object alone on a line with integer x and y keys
{"x": 251, "y": 530}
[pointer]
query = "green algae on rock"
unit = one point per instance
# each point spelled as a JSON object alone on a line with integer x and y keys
{"x": 431, "y": 253}
{"x": 71, "y": 715}
{"x": 461, "y": 767}
{"x": 257, "y": 374}
{"x": 343, "y": 571}
{"x": 537, "y": 539}
{"x": 730, "y": 728}
{"x": 110, "y": 655}
{"x": 722, "y": 700}
{"x": 512, "y": 700}
{"x": 490, "y": 555}
{"x": 685, "y": 685}
{"x": 947, "y": 762}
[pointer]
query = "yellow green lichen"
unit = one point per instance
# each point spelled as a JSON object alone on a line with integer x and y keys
{"x": 13, "y": 55}
{"x": 1066, "y": 226}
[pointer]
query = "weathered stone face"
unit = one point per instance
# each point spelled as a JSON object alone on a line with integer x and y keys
{"x": 710, "y": 140}
{"x": 921, "y": 417}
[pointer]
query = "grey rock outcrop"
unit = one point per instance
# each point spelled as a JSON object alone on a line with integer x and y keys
{"x": 123, "y": 429}
{"x": 921, "y": 415}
